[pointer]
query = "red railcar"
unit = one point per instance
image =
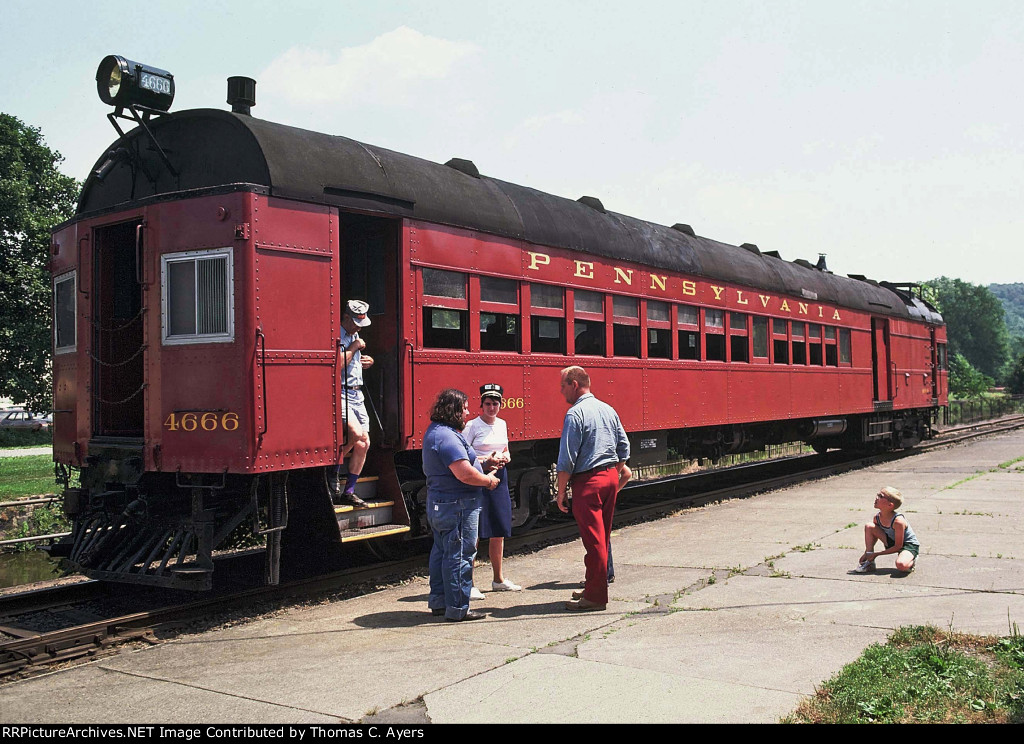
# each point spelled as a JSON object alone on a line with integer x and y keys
{"x": 198, "y": 295}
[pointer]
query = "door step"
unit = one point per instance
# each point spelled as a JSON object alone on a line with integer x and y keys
{"x": 369, "y": 533}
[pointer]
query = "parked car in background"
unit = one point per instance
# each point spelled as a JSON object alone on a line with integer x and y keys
{"x": 19, "y": 418}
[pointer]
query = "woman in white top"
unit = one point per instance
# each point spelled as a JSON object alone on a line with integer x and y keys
{"x": 488, "y": 436}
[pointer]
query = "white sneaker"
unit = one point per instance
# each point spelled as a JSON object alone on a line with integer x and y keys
{"x": 475, "y": 593}
{"x": 865, "y": 567}
{"x": 505, "y": 586}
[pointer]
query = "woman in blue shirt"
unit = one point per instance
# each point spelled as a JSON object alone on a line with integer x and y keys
{"x": 454, "y": 480}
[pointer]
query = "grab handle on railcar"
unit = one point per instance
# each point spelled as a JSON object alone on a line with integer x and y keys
{"x": 139, "y": 278}
{"x": 262, "y": 340}
{"x": 895, "y": 380}
{"x": 83, "y": 239}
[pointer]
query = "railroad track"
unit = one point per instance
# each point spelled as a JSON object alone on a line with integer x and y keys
{"x": 92, "y": 617}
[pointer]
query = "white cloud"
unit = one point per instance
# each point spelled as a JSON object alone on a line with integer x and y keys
{"x": 382, "y": 71}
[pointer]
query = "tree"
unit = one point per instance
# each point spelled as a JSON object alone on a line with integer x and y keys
{"x": 964, "y": 380}
{"x": 975, "y": 323}
{"x": 34, "y": 196}
{"x": 1015, "y": 382}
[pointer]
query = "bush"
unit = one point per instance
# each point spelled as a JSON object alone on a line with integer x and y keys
{"x": 25, "y": 438}
{"x": 965, "y": 381}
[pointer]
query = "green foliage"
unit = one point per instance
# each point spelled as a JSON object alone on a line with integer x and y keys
{"x": 1012, "y": 297}
{"x": 25, "y": 437}
{"x": 45, "y": 520}
{"x": 975, "y": 323}
{"x": 964, "y": 380}
{"x": 34, "y": 196}
{"x": 923, "y": 674}
{"x": 1015, "y": 380}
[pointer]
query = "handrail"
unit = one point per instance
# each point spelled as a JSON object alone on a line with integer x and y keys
{"x": 262, "y": 340}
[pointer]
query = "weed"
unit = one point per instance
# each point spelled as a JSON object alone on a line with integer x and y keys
{"x": 807, "y": 548}
{"x": 48, "y": 519}
{"x": 711, "y": 579}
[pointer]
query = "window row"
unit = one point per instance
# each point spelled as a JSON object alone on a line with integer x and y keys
{"x": 197, "y": 294}
{"x": 701, "y": 334}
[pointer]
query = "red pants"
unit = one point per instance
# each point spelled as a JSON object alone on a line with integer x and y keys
{"x": 593, "y": 506}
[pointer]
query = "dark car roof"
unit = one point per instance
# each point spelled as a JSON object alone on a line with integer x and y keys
{"x": 210, "y": 148}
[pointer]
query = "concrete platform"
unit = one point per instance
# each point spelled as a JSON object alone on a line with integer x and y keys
{"x": 728, "y": 613}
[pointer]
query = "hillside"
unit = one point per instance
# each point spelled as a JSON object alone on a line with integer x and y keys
{"x": 1012, "y": 297}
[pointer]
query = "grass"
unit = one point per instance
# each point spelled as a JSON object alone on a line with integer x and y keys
{"x": 925, "y": 675}
{"x": 21, "y": 477}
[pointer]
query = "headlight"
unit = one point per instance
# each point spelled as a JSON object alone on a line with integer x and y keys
{"x": 121, "y": 82}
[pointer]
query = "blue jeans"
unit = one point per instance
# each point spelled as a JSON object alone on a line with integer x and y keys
{"x": 454, "y": 522}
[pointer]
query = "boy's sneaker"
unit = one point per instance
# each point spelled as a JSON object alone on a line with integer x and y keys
{"x": 505, "y": 586}
{"x": 865, "y": 567}
{"x": 475, "y": 593}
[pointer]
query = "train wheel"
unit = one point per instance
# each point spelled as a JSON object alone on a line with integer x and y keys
{"x": 531, "y": 486}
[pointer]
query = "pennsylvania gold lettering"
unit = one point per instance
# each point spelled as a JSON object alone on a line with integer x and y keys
{"x": 662, "y": 284}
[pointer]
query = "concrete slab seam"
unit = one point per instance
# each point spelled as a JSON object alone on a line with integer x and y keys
{"x": 155, "y": 678}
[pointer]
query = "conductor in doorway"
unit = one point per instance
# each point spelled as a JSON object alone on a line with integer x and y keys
{"x": 591, "y": 455}
{"x": 357, "y": 436}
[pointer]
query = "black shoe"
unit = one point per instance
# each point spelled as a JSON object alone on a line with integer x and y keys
{"x": 437, "y": 612}
{"x": 471, "y": 615}
{"x": 348, "y": 499}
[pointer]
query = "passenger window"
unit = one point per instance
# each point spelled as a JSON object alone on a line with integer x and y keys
{"x": 689, "y": 333}
{"x": 738, "y": 342}
{"x": 845, "y": 351}
{"x": 438, "y": 283}
{"x": 445, "y": 329}
{"x": 831, "y": 350}
{"x": 499, "y": 332}
{"x": 814, "y": 345}
{"x": 547, "y": 319}
{"x": 780, "y": 341}
{"x": 626, "y": 326}
{"x": 499, "y": 314}
{"x": 714, "y": 331}
{"x": 760, "y": 338}
{"x": 445, "y": 311}
{"x": 659, "y": 331}
{"x": 589, "y": 323}
{"x": 799, "y": 343}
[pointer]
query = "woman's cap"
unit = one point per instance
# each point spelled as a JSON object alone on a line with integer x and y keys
{"x": 492, "y": 390}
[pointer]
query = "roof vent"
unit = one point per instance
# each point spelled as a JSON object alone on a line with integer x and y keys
{"x": 773, "y": 254}
{"x": 858, "y": 277}
{"x": 685, "y": 229}
{"x": 804, "y": 262}
{"x": 752, "y": 248}
{"x": 821, "y": 266}
{"x": 464, "y": 166}
{"x": 241, "y": 94}
{"x": 593, "y": 202}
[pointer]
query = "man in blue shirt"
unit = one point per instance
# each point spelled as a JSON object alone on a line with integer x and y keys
{"x": 353, "y": 409}
{"x": 591, "y": 455}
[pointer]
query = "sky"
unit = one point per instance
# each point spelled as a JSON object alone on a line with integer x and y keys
{"x": 884, "y": 134}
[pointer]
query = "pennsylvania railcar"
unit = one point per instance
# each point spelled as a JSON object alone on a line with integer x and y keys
{"x": 198, "y": 294}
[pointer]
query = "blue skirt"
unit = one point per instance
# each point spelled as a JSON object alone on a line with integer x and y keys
{"x": 496, "y": 516}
